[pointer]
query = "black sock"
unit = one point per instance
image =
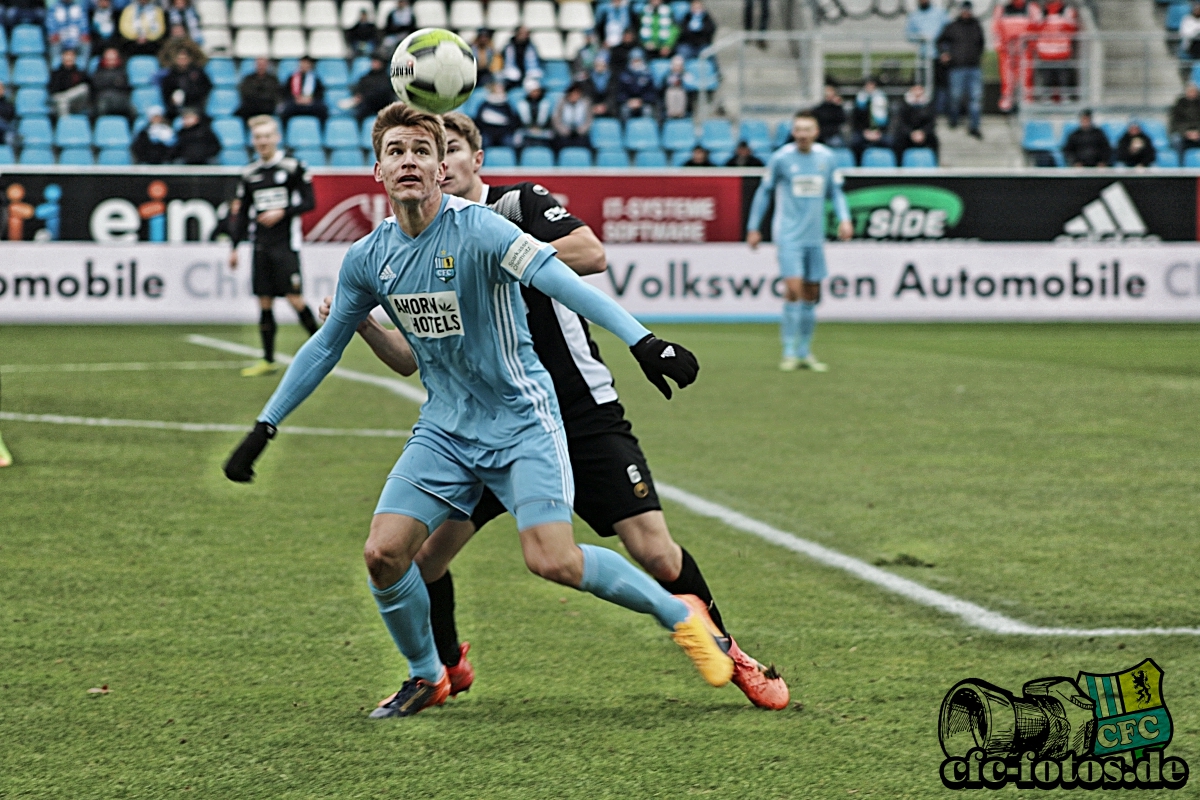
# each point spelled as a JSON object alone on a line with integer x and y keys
{"x": 266, "y": 328}
{"x": 690, "y": 581}
{"x": 441, "y": 616}
{"x": 306, "y": 319}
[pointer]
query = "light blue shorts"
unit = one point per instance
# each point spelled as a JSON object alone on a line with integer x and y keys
{"x": 805, "y": 261}
{"x": 440, "y": 476}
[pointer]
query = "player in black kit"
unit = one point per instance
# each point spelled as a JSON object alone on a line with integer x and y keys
{"x": 274, "y": 191}
{"x": 614, "y": 491}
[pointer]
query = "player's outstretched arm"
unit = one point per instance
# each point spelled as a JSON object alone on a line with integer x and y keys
{"x": 659, "y": 359}
{"x": 389, "y": 346}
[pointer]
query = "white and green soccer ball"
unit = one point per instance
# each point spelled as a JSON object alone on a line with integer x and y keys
{"x": 433, "y": 70}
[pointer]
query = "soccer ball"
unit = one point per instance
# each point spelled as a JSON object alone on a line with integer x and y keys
{"x": 433, "y": 70}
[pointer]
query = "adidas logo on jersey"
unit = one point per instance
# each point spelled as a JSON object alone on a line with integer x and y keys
{"x": 1111, "y": 216}
{"x": 669, "y": 352}
{"x": 386, "y": 273}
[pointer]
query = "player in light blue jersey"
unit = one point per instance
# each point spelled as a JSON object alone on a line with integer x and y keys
{"x": 800, "y": 176}
{"x": 447, "y": 271}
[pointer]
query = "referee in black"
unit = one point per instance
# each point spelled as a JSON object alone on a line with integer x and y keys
{"x": 272, "y": 194}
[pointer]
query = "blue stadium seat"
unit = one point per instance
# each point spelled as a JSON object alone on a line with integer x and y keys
{"x": 73, "y": 130}
{"x": 222, "y": 73}
{"x": 35, "y": 131}
{"x": 303, "y": 132}
{"x": 31, "y": 102}
{"x": 333, "y": 72}
{"x": 537, "y": 156}
{"x": 39, "y": 156}
{"x": 333, "y": 99}
{"x": 359, "y": 67}
{"x": 844, "y": 157}
{"x": 1175, "y": 14}
{"x": 223, "y": 102}
{"x": 641, "y": 133}
{"x": 575, "y": 157}
{"x": 1067, "y": 129}
{"x": 26, "y": 41}
{"x": 5, "y": 77}
{"x": 1156, "y": 129}
{"x": 650, "y": 158}
{"x": 764, "y": 154}
{"x": 556, "y": 76}
{"x": 76, "y": 157}
{"x": 233, "y": 157}
{"x": 346, "y": 157}
{"x": 877, "y": 157}
{"x": 3, "y": 46}
{"x": 30, "y": 71}
{"x": 717, "y": 134}
{"x": 1039, "y": 135}
{"x": 783, "y": 134}
{"x": 919, "y": 158}
{"x": 754, "y": 132}
{"x": 311, "y": 156}
{"x": 679, "y": 9}
{"x": 230, "y": 131}
{"x": 719, "y": 157}
{"x": 6, "y": 151}
{"x": 285, "y": 68}
{"x": 341, "y": 132}
{"x": 111, "y": 131}
{"x": 679, "y": 157}
{"x": 1191, "y": 158}
{"x": 477, "y": 99}
{"x": 502, "y": 157}
{"x": 114, "y": 157}
{"x": 1114, "y": 131}
{"x": 678, "y": 134}
{"x": 245, "y": 67}
{"x": 1166, "y": 158}
{"x": 659, "y": 67}
{"x": 144, "y": 97}
{"x": 364, "y": 138}
{"x": 700, "y": 75}
{"x": 606, "y": 134}
{"x": 141, "y": 70}
{"x": 615, "y": 158}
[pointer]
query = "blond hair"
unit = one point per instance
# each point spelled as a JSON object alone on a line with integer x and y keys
{"x": 465, "y": 127}
{"x": 399, "y": 115}
{"x": 262, "y": 119}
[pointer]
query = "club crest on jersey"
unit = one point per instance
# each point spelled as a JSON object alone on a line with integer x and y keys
{"x": 444, "y": 267}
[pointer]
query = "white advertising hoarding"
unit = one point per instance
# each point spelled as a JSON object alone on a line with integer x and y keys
{"x": 87, "y": 283}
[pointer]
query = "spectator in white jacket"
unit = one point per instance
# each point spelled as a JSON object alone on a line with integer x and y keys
{"x": 1189, "y": 35}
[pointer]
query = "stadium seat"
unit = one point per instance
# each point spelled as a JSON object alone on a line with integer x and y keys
{"x": 431, "y": 13}
{"x": 30, "y": 71}
{"x": 1191, "y": 158}
{"x": 537, "y": 156}
{"x": 6, "y": 152}
{"x": 222, "y": 72}
{"x": 35, "y": 131}
{"x": 755, "y": 133}
{"x": 217, "y": 41}
{"x": 1114, "y": 131}
{"x": 641, "y": 133}
{"x": 499, "y": 157}
{"x": 341, "y": 132}
{"x": 477, "y": 99}
{"x": 37, "y": 156}
{"x": 284, "y": 14}
{"x": 251, "y": 43}
{"x": 878, "y": 157}
{"x": 303, "y": 132}
{"x": 334, "y": 98}
{"x": 364, "y": 136}
{"x": 700, "y": 75}
{"x": 311, "y": 156}
{"x": 222, "y": 102}
{"x": 327, "y": 43}
{"x": 500, "y": 39}
{"x": 288, "y": 43}
{"x": 678, "y": 134}
{"x": 350, "y": 12}
{"x": 650, "y": 158}
{"x": 1156, "y": 129}
{"x": 26, "y": 41}
{"x": 1067, "y": 129}
{"x": 919, "y": 158}
{"x": 575, "y": 157}
{"x": 1175, "y": 14}
{"x": 111, "y": 131}
{"x": 719, "y": 157}
{"x": 141, "y": 70}
{"x": 385, "y": 8}
{"x": 679, "y": 9}
{"x": 606, "y": 134}
{"x": 549, "y": 45}
{"x": 230, "y": 131}
{"x": 285, "y": 68}
{"x": 145, "y": 97}
{"x": 73, "y": 130}
{"x": 556, "y": 76}
{"x": 3, "y": 45}
{"x": 539, "y": 15}
{"x": 466, "y": 14}
{"x": 612, "y": 158}
{"x": 213, "y": 13}
{"x": 783, "y": 134}
{"x": 76, "y": 157}
{"x": 359, "y": 67}
{"x": 4, "y": 72}
{"x": 659, "y": 67}
{"x": 843, "y": 156}
{"x": 1039, "y": 135}
{"x": 717, "y": 134}
{"x": 114, "y": 157}
{"x": 575, "y": 16}
{"x": 679, "y": 157}
{"x": 573, "y": 42}
{"x": 247, "y": 14}
{"x": 324, "y": 14}
{"x": 1166, "y": 158}
{"x": 346, "y": 157}
{"x": 233, "y": 157}
{"x": 333, "y": 72}
{"x": 503, "y": 15}
{"x": 31, "y": 102}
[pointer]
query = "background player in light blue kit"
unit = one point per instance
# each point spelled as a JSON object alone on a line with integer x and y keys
{"x": 447, "y": 271}
{"x": 801, "y": 175}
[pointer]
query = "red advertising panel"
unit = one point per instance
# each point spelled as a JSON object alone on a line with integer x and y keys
{"x": 620, "y": 208}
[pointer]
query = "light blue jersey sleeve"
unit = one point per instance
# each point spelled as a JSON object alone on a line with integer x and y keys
{"x": 320, "y": 354}
{"x": 557, "y": 280}
{"x": 762, "y": 197}
{"x": 835, "y": 193}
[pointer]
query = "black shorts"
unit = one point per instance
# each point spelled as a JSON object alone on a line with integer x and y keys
{"x": 276, "y": 272}
{"x": 612, "y": 479}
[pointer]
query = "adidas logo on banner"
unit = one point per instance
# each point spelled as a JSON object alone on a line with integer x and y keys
{"x": 1112, "y": 216}
{"x": 386, "y": 274}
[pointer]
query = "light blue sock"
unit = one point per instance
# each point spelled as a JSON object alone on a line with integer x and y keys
{"x": 807, "y": 324}
{"x": 404, "y": 607}
{"x": 789, "y": 331}
{"x": 610, "y": 577}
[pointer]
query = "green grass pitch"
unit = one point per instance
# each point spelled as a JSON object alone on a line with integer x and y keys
{"x": 1047, "y": 472}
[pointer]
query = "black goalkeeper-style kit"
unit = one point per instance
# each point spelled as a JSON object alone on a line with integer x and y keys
{"x": 281, "y": 183}
{"x": 612, "y": 481}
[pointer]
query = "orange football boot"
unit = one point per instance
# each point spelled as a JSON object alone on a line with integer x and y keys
{"x": 763, "y": 686}
{"x": 462, "y": 674}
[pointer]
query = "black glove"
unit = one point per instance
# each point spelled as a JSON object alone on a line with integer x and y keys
{"x": 659, "y": 358}
{"x": 240, "y": 466}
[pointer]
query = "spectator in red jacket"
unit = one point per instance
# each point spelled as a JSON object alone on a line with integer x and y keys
{"x": 1011, "y": 23}
{"x": 1055, "y": 48}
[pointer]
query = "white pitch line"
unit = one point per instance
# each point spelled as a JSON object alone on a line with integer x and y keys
{"x": 123, "y": 366}
{"x": 970, "y": 613}
{"x": 196, "y": 427}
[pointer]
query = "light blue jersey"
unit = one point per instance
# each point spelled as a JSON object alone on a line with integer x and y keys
{"x": 801, "y": 183}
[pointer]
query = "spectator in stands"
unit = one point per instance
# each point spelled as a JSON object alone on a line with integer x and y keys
{"x": 496, "y": 119}
{"x": 915, "y": 123}
{"x": 7, "y": 114}
{"x": 764, "y": 18}
{"x": 1134, "y": 148}
{"x": 572, "y": 119}
{"x": 696, "y": 31}
{"x": 534, "y": 111}
{"x": 155, "y": 142}
{"x": 259, "y": 92}
{"x": 869, "y": 119}
{"x": 1012, "y": 22}
{"x": 186, "y": 83}
{"x": 304, "y": 94}
{"x": 182, "y": 20}
{"x": 143, "y": 27}
{"x": 489, "y": 62}
{"x": 585, "y": 56}
{"x": 601, "y": 88}
{"x": 24, "y": 12}
{"x": 1055, "y": 47}
{"x": 613, "y": 19}
{"x": 618, "y": 57}
{"x": 374, "y": 89}
{"x": 831, "y": 117}
{"x": 195, "y": 143}
{"x": 960, "y": 48}
{"x": 923, "y": 26}
{"x": 675, "y": 97}
{"x": 1185, "y": 120}
{"x": 399, "y": 23}
{"x": 658, "y": 31}
{"x": 67, "y": 29}
{"x": 743, "y": 156}
{"x": 699, "y": 158}
{"x": 1189, "y": 34}
{"x": 521, "y": 59}
{"x": 69, "y": 88}
{"x": 1087, "y": 146}
{"x": 363, "y": 36}
{"x": 104, "y": 25}
{"x": 110, "y": 86}
{"x": 637, "y": 95}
